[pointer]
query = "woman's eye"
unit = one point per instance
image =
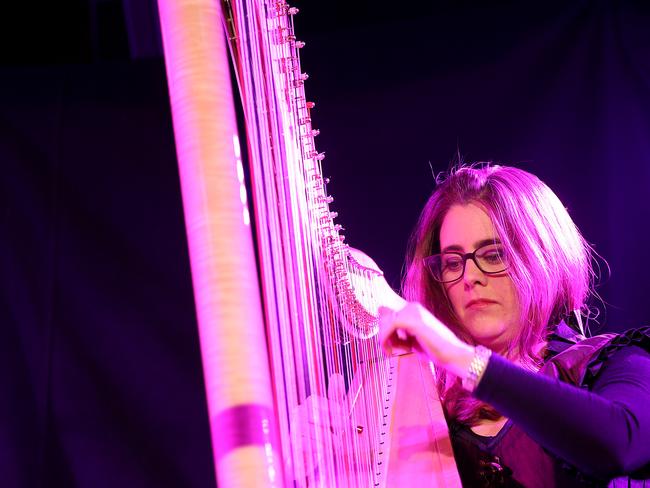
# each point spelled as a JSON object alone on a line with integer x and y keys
{"x": 493, "y": 256}
{"x": 452, "y": 264}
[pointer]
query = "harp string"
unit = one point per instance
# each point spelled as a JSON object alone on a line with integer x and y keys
{"x": 320, "y": 296}
{"x": 317, "y": 326}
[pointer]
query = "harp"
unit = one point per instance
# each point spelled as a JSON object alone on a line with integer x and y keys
{"x": 275, "y": 344}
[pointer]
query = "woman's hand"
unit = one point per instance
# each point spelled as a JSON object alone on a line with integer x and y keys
{"x": 323, "y": 436}
{"x": 414, "y": 327}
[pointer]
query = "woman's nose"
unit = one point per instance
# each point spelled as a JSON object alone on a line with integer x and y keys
{"x": 472, "y": 273}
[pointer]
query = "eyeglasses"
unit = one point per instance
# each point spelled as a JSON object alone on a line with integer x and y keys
{"x": 450, "y": 266}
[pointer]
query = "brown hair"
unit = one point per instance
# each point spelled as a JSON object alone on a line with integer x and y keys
{"x": 550, "y": 262}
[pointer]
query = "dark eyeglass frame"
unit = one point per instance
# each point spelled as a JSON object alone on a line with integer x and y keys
{"x": 430, "y": 261}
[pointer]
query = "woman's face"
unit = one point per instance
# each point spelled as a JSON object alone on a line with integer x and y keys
{"x": 485, "y": 305}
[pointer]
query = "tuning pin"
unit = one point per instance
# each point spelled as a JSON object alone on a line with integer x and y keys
{"x": 312, "y": 133}
{"x": 338, "y": 228}
{"x": 320, "y": 156}
{"x": 299, "y": 44}
{"x": 293, "y": 11}
{"x": 310, "y": 105}
{"x": 333, "y": 215}
{"x": 327, "y": 180}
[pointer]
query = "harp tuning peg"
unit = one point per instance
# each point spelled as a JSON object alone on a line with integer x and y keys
{"x": 293, "y": 11}
{"x": 325, "y": 199}
{"x": 310, "y": 105}
{"x": 300, "y": 44}
{"x": 315, "y": 132}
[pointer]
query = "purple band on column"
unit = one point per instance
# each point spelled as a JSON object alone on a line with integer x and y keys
{"x": 243, "y": 425}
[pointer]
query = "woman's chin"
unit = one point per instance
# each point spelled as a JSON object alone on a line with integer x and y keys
{"x": 489, "y": 334}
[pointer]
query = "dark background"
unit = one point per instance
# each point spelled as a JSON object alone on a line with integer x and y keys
{"x": 101, "y": 373}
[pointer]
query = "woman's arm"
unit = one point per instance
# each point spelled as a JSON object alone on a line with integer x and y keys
{"x": 604, "y": 432}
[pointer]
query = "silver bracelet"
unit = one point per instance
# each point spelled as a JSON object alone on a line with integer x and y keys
{"x": 477, "y": 367}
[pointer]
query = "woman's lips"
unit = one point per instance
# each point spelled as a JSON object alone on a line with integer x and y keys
{"x": 479, "y": 304}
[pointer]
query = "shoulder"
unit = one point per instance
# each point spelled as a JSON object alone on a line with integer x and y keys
{"x": 630, "y": 346}
{"x": 582, "y": 362}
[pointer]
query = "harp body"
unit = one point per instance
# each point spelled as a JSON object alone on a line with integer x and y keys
{"x": 268, "y": 353}
{"x": 420, "y": 452}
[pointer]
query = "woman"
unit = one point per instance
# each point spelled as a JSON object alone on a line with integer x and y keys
{"x": 497, "y": 275}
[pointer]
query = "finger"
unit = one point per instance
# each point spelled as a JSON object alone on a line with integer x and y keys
{"x": 383, "y": 310}
{"x": 319, "y": 412}
{"x": 397, "y": 345}
{"x": 386, "y": 321}
{"x": 316, "y": 411}
{"x": 396, "y": 338}
{"x": 402, "y": 335}
{"x": 392, "y": 334}
{"x": 336, "y": 388}
{"x": 387, "y": 345}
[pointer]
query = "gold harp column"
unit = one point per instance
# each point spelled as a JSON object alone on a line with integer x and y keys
{"x": 233, "y": 347}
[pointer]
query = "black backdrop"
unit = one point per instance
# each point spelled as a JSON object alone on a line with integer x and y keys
{"x": 100, "y": 373}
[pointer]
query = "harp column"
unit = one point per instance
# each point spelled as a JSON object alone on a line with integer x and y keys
{"x": 227, "y": 296}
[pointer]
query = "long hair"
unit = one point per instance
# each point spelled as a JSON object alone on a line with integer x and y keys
{"x": 550, "y": 261}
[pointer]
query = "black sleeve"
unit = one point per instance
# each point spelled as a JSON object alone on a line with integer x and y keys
{"x": 604, "y": 431}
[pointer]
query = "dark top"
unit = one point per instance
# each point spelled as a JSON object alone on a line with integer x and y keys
{"x": 590, "y": 434}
